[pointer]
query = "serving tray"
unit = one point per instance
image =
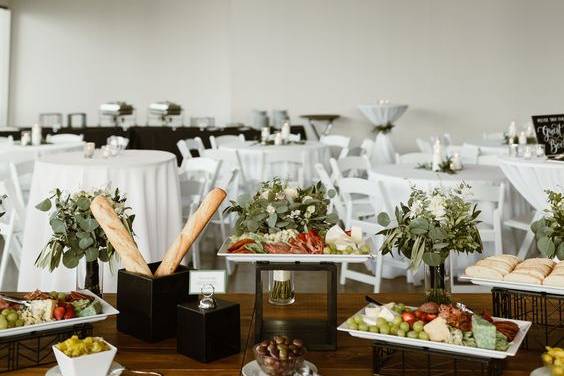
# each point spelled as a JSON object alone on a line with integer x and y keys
{"x": 290, "y": 257}
{"x": 107, "y": 310}
{"x": 459, "y": 349}
{"x": 514, "y": 285}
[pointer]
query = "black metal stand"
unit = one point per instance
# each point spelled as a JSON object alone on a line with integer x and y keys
{"x": 34, "y": 349}
{"x": 395, "y": 359}
{"x": 319, "y": 335}
{"x": 544, "y": 310}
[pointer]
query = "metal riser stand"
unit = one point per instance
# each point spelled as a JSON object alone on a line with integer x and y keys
{"x": 31, "y": 350}
{"x": 400, "y": 360}
{"x": 319, "y": 335}
{"x": 545, "y": 311}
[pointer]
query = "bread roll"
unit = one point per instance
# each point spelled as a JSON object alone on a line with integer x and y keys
{"x": 485, "y": 272}
{"x": 539, "y": 260}
{"x": 536, "y": 272}
{"x": 501, "y": 267}
{"x": 522, "y": 278}
{"x": 554, "y": 280}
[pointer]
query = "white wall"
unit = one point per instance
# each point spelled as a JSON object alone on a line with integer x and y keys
{"x": 463, "y": 66}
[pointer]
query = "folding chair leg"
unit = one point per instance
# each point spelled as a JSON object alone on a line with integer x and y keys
{"x": 344, "y": 270}
{"x": 526, "y": 245}
{"x": 378, "y": 267}
{"x": 8, "y": 237}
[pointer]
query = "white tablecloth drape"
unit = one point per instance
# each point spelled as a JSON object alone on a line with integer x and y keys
{"x": 532, "y": 177}
{"x": 489, "y": 147}
{"x": 382, "y": 114}
{"x": 32, "y": 152}
{"x": 148, "y": 178}
{"x": 250, "y": 154}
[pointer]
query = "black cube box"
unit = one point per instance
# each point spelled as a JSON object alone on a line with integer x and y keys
{"x": 147, "y": 306}
{"x": 208, "y": 335}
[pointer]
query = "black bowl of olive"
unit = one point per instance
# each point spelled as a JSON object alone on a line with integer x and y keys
{"x": 280, "y": 356}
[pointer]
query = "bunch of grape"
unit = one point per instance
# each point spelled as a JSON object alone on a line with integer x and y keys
{"x": 10, "y": 318}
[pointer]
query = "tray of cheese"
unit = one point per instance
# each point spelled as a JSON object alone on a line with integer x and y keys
{"x": 507, "y": 271}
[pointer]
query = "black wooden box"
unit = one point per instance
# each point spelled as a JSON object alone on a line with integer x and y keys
{"x": 147, "y": 306}
{"x": 208, "y": 335}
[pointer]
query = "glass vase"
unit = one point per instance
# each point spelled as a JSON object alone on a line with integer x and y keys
{"x": 281, "y": 287}
{"x": 437, "y": 284}
{"x": 90, "y": 276}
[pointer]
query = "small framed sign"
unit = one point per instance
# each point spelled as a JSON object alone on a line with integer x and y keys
{"x": 201, "y": 278}
{"x": 550, "y": 132}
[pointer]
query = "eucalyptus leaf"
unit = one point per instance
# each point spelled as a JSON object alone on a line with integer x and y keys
{"x": 383, "y": 219}
{"x": 58, "y": 226}
{"x": 70, "y": 259}
{"x": 91, "y": 254}
{"x": 432, "y": 259}
{"x": 84, "y": 243}
{"x": 83, "y": 203}
{"x": 560, "y": 251}
{"x": 103, "y": 255}
{"x": 271, "y": 220}
{"x": 44, "y": 205}
{"x": 546, "y": 246}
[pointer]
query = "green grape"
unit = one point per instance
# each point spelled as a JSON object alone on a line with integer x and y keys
{"x": 3, "y": 322}
{"x": 373, "y": 329}
{"x": 381, "y": 321}
{"x": 5, "y": 312}
{"x": 365, "y": 249}
{"x": 358, "y": 319}
{"x": 404, "y": 326}
{"x": 353, "y": 326}
{"x": 424, "y": 336}
{"x": 418, "y": 326}
{"x": 12, "y": 317}
{"x": 401, "y": 307}
{"x": 384, "y": 329}
{"x": 412, "y": 334}
{"x": 394, "y": 330}
{"x": 351, "y": 321}
{"x": 400, "y": 333}
{"x": 19, "y": 322}
{"x": 397, "y": 320}
{"x": 362, "y": 326}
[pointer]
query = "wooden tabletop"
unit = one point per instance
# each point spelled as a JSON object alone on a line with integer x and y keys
{"x": 352, "y": 358}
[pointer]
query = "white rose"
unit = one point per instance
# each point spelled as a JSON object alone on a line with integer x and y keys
{"x": 437, "y": 207}
{"x": 270, "y": 209}
{"x": 265, "y": 194}
{"x": 311, "y": 209}
{"x": 307, "y": 198}
{"x": 280, "y": 196}
{"x": 416, "y": 209}
{"x": 295, "y": 213}
{"x": 291, "y": 193}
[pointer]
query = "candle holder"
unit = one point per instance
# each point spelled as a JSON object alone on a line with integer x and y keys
{"x": 89, "y": 149}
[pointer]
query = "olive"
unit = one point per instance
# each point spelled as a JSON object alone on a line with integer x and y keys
{"x": 265, "y": 343}
{"x": 278, "y": 339}
{"x": 298, "y": 342}
{"x": 283, "y": 354}
{"x": 269, "y": 361}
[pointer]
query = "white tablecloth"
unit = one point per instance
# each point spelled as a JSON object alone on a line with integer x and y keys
{"x": 7, "y": 151}
{"x": 382, "y": 114}
{"x": 149, "y": 178}
{"x": 250, "y": 152}
{"x": 532, "y": 177}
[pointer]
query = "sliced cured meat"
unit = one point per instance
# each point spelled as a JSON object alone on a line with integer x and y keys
{"x": 277, "y": 248}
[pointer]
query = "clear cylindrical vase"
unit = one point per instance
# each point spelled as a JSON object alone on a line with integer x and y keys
{"x": 90, "y": 276}
{"x": 437, "y": 284}
{"x": 281, "y": 287}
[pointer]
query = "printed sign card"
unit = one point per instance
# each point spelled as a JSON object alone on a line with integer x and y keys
{"x": 200, "y": 279}
{"x": 550, "y": 132}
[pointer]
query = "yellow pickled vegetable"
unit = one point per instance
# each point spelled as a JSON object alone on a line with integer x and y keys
{"x": 553, "y": 358}
{"x": 75, "y": 347}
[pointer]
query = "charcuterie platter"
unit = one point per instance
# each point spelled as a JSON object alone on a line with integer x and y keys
{"x": 44, "y": 311}
{"x": 451, "y": 330}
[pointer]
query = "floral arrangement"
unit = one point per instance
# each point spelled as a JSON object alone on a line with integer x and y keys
{"x": 282, "y": 219}
{"x": 445, "y": 166}
{"x": 76, "y": 233}
{"x": 549, "y": 230}
{"x": 433, "y": 224}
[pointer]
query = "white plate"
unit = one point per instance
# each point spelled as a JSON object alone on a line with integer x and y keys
{"x": 55, "y": 371}
{"x": 543, "y": 371}
{"x": 511, "y": 351}
{"x": 514, "y": 285}
{"x": 107, "y": 310}
{"x": 289, "y": 257}
{"x": 253, "y": 369}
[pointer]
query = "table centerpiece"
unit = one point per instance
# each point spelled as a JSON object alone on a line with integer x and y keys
{"x": 549, "y": 230}
{"x": 77, "y": 234}
{"x": 430, "y": 226}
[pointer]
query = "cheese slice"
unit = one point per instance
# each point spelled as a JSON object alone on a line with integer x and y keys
{"x": 372, "y": 311}
{"x": 387, "y": 314}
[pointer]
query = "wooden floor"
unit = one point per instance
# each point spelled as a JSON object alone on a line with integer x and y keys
{"x": 352, "y": 358}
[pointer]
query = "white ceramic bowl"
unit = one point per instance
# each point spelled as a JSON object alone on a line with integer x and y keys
{"x": 97, "y": 364}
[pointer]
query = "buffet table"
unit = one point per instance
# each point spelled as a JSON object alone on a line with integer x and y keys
{"x": 155, "y": 138}
{"x": 352, "y": 358}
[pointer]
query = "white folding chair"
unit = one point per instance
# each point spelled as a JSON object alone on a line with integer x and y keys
{"x": 286, "y": 165}
{"x": 217, "y": 141}
{"x": 64, "y": 138}
{"x": 197, "y": 176}
{"x": 424, "y": 145}
{"x": 21, "y": 172}
{"x": 185, "y": 146}
{"x": 337, "y": 142}
{"x": 490, "y": 200}
{"x": 413, "y": 158}
{"x": 11, "y": 230}
{"x": 231, "y": 159}
{"x": 336, "y": 203}
{"x": 350, "y": 166}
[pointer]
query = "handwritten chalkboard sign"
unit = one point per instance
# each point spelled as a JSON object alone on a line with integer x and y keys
{"x": 550, "y": 132}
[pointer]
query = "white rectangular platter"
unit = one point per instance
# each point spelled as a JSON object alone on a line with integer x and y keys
{"x": 458, "y": 349}
{"x": 290, "y": 257}
{"x": 514, "y": 285}
{"x": 107, "y": 310}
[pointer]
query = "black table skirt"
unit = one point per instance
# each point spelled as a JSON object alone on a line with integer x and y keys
{"x": 153, "y": 138}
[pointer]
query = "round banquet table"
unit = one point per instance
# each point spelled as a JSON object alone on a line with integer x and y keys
{"x": 489, "y": 147}
{"x": 250, "y": 153}
{"x": 532, "y": 177}
{"x": 148, "y": 178}
{"x": 18, "y": 152}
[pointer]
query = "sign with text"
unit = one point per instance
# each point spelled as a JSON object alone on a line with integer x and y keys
{"x": 199, "y": 279}
{"x": 550, "y": 132}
